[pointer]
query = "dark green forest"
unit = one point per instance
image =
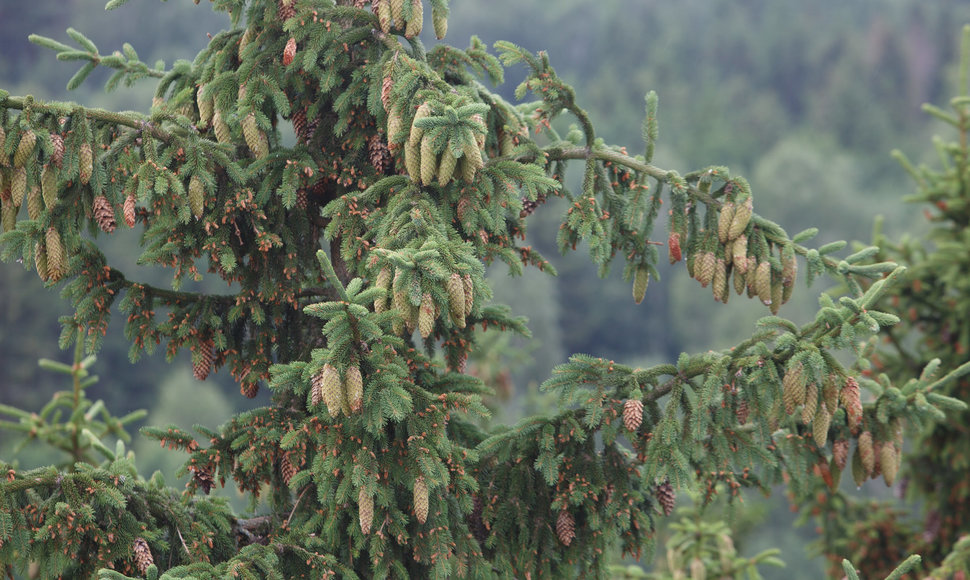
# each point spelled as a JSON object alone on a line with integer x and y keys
{"x": 814, "y": 95}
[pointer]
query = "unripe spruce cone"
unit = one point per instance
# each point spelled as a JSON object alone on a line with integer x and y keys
{"x": 739, "y": 254}
{"x": 35, "y": 203}
{"x": 446, "y": 168}
{"x": 439, "y": 18}
{"x": 331, "y": 389}
{"x": 220, "y": 128}
{"x": 704, "y": 268}
{"x": 196, "y": 196}
{"x": 889, "y": 460}
{"x": 56, "y": 260}
{"x": 719, "y": 285}
{"x": 456, "y": 299}
{"x": 421, "y": 505}
{"x": 640, "y": 280}
{"x": 724, "y": 219}
{"x": 354, "y": 387}
{"x": 742, "y": 215}
{"x": 48, "y": 186}
{"x": 852, "y": 402}
{"x": 104, "y": 214}
{"x": 18, "y": 186}
{"x": 565, "y": 527}
{"x": 365, "y": 510}
{"x": 469, "y": 293}
{"x": 820, "y": 425}
{"x": 205, "y": 106}
{"x": 762, "y": 283}
{"x": 632, "y": 414}
{"x": 429, "y": 161}
{"x": 793, "y": 387}
{"x": 40, "y": 261}
{"x": 416, "y": 22}
{"x": 811, "y": 404}
{"x": 25, "y": 148}
{"x": 426, "y": 316}
{"x": 866, "y": 452}
{"x": 85, "y": 162}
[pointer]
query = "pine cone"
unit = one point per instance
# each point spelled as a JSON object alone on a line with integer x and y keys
{"x": 811, "y": 404}
{"x": 475, "y": 522}
{"x": 40, "y": 261}
{"x": 640, "y": 280}
{"x": 205, "y": 106}
{"x": 724, "y": 219}
{"x": 57, "y": 149}
{"x": 739, "y": 254}
{"x": 853, "y": 404}
{"x": 289, "y": 51}
{"x": 354, "y": 387}
{"x": 202, "y": 366}
{"x": 742, "y": 411}
{"x": 719, "y": 284}
{"x": 35, "y": 203}
{"x": 820, "y": 425}
{"x": 469, "y": 293}
{"x": 742, "y": 215}
{"x": 286, "y": 9}
{"x": 456, "y": 299}
{"x": 8, "y": 220}
{"x": 673, "y": 247}
{"x": 143, "y": 555}
{"x": 85, "y": 162}
{"x": 331, "y": 389}
{"x": 704, "y": 268}
{"x": 440, "y": 20}
{"x": 249, "y": 390}
{"x": 25, "y": 149}
{"x": 104, "y": 214}
{"x": 866, "y": 452}
{"x": 316, "y": 389}
{"x": 421, "y": 499}
{"x": 203, "y": 478}
{"x": 299, "y": 120}
{"x": 416, "y": 22}
{"x": 429, "y": 161}
{"x": 220, "y": 127}
{"x": 301, "y": 198}
{"x": 365, "y": 510}
{"x": 18, "y": 186}
{"x": 632, "y": 414}
{"x": 666, "y": 497}
{"x": 426, "y": 316}
{"x": 380, "y": 156}
{"x": 889, "y": 460}
{"x": 446, "y": 168}
{"x": 56, "y": 260}
{"x": 762, "y": 282}
{"x": 565, "y": 527}
{"x": 48, "y": 185}
{"x": 793, "y": 387}
{"x": 287, "y": 469}
{"x": 383, "y": 11}
{"x": 196, "y": 196}
{"x": 128, "y": 210}
{"x": 386, "y": 85}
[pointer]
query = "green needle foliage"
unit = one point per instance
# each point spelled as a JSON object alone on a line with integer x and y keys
{"x": 354, "y": 250}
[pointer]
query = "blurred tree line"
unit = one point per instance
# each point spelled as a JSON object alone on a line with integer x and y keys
{"x": 818, "y": 92}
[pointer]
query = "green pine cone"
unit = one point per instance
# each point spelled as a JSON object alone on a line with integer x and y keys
{"x": 196, "y": 196}
{"x": 414, "y": 25}
{"x": 24, "y": 149}
{"x": 640, "y": 280}
{"x": 86, "y": 162}
{"x": 446, "y": 168}
{"x": 429, "y": 161}
{"x": 48, "y": 185}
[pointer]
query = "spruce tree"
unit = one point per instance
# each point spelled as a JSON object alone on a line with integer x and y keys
{"x": 350, "y": 187}
{"x": 933, "y": 299}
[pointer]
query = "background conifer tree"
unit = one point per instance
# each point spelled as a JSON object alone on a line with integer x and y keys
{"x": 350, "y": 186}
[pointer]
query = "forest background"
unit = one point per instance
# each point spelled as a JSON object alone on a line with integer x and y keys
{"x": 818, "y": 92}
